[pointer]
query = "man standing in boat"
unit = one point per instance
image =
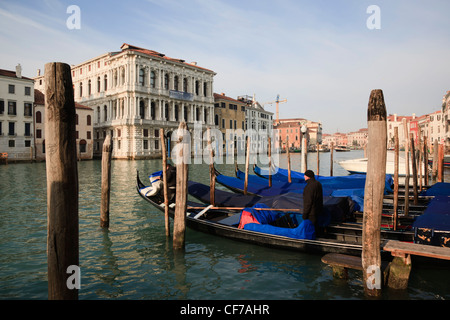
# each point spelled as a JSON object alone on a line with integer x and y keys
{"x": 312, "y": 200}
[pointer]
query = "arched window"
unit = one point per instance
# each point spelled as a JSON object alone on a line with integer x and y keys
{"x": 98, "y": 84}
{"x": 105, "y": 113}
{"x": 205, "y": 88}
{"x": 81, "y": 89}
{"x": 105, "y": 82}
{"x": 142, "y": 109}
{"x": 153, "y": 79}
{"x": 176, "y": 112}
{"x": 38, "y": 117}
{"x": 176, "y": 83}
{"x": 98, "y": 114}
{"x": 88, "y": 120}
{"x": 89, "y": 88}
{"x": 166, "y": 81}
{"x": 185, "y": 85}
{"x": 141, "y": 77}
{"x": 197, "y": 87}
{"x": 152, "y": 111}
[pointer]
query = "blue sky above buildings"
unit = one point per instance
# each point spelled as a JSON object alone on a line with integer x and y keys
{"x": 318, "y": 54}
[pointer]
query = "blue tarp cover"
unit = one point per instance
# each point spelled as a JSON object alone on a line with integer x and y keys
{"x": 438, "y": 189}
{"x": 259, "y": 186}
{"x": 336, "y": 209}
{"x": 436, "y": 215}
{"x": 305, "y": 229}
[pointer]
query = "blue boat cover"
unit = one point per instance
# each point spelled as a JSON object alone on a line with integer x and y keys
{"x": 283, "y": 174}
{"x": 259, "y": 186}
{"x": 354, "y": 181}
{"x": 305, "y": 229}
{"x": 438, "y": 189}
{"x": 335, "y": 209}
{"x": 436, "y": 216}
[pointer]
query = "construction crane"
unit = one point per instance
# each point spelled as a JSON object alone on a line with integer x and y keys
{"x": 278, "y": 101}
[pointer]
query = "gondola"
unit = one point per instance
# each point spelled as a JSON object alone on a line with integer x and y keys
{"x": 224, "y": 222}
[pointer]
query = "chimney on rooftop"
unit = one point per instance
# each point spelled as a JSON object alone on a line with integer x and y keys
{"x": 19, "y": 71}
{"x": 38, "y": 72}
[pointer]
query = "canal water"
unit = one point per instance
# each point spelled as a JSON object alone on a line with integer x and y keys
{"x": 134, "y": 260}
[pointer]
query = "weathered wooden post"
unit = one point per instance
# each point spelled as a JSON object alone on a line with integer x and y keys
{"x": 373, "y": 193}
{"x": 212, "y": 176}
{"x": 318, "y": 158}
{"x": 425, "y": 160}
{"x": 414, "y": 168}
{"x": 405, "y": 130}
{"x": 164, "y": 176}
{"x": 62, "y": 181}
{"x": 435, "y": 160}
{"x": 441, "y": 163}
{"x": 288, "y": 160}
{"x": 270, "y": 160}
{"x": 182, "y": 164}
{"x": 396, "y": 165}
{"x": 331, "y": 159}
{"x": 247, "y": 160}
{"x": 419, "y": 163}
{"x": 106, "y": 182}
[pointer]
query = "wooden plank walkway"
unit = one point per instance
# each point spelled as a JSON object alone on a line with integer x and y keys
{"x": 398, "y": 248}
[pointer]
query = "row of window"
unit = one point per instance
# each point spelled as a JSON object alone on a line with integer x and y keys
{"x": 39, "y": 118}
{"x": 12, "y": 108}
{"x": 12, "y": 90}
{"x": 12, "y": 129}
{"x": 82, "y": 146}
{"x": 165, "y": 84}
{"x": 27, "y": 131}
{"x": 178, "y": 85}
{"x": 230, "y": 106}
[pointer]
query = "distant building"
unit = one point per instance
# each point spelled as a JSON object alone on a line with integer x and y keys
{"x": 16, "y": 114}
{"x": 84, "y": 128}
{"x": 229, "y": 114}
{"x": 135, "y": 91}
{"x": 292, "y": 129}
{"x": 396, "y": 121}
{"x": 257, "y": 121}
{"x": 446, "y": 120}
{"x": 358, "y": 139}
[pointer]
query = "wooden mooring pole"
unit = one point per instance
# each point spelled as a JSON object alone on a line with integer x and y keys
{"x": 441, "y": 163}
{"x": 247, "y": 161}
{"x": 288, "y": 153}
{"x": 425, "y": 160}
{"x": 406, "y": 141}
{"x": 106, "y": 182}
{"x": 396, "y": 175}
{"x": 165, "y": 187}
{"x": 331, "y": 159}
{"x": 373, "y": 193}
{"x": 212, "y": 175}
{"x": 182, "y": 164}
{"x": 434, "y": 171}
{"x": 414, "y": 169}
{"x": 62, "y": 181}
{"x": 269, "y": 147}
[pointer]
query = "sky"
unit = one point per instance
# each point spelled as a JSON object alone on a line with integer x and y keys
{"x": 320, "y": 55}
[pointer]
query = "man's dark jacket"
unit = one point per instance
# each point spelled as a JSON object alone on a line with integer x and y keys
{"x": 312, "y": 200}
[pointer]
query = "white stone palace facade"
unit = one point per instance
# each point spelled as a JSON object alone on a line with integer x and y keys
{"x": 135, "y": 92}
